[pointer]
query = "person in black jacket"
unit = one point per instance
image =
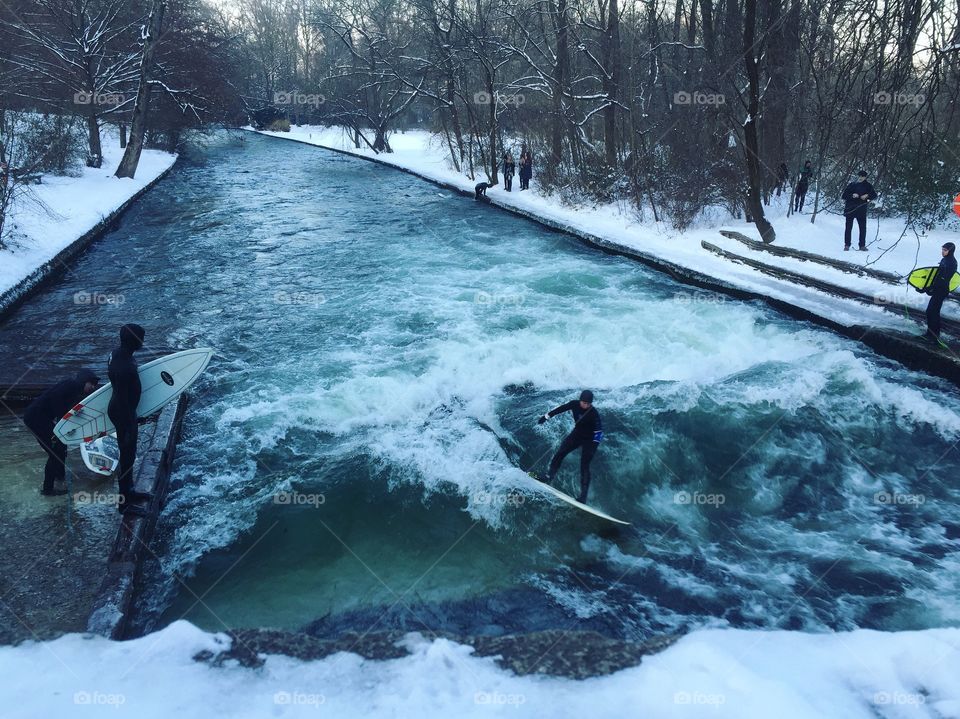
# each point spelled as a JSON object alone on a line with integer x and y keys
{"x": 509, "y": 170}
{"x": 857, "y": 198}
{"x": 526, "y": 168}
{"x": 803, "y": 184}
{"x": 783, "y": 177}
{"x": 124, "y": 377}
{"x": 586, "y": 435}
{"x": 480, "y": 190}
{"x": 42, "y": 416}
{"x": 939, "y": 289}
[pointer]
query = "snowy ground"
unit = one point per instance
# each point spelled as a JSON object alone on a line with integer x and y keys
{"x": 61, "y": 209}
{"x": 420, "y": 152}
{"x": 727, "y": 674}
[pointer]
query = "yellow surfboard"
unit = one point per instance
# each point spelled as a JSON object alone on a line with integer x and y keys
{"x": 921, "y": 279}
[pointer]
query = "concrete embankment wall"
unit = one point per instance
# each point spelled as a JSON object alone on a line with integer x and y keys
{"x": 114, "y": 602}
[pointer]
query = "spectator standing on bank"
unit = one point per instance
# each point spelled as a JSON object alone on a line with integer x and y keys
{"x": 857, "y": 198}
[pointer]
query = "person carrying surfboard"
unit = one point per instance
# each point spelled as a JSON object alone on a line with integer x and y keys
{"x": 124, "y": 376}
{"x": 44, "y": 413}
{"x": 586, "y": 436}
{"x": 939, "y": 289}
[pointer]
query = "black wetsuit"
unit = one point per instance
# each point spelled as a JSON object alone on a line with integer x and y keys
{"x": 44, "y": 413}
{"x": 938, "y": 291}
{"x": 480, "y": 191}
{"x": 124, "y": 377}
{"x": 855, "y": 208}
{"x": 586, "y": 435}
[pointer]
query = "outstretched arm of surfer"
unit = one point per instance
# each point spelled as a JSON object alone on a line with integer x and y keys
{"x": 568, "y": 407}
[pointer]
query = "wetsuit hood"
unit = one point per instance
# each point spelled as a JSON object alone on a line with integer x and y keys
{"x": 131, "y": 337}
{"x": 85, "y": 375}
{"x": 950, "y": 248}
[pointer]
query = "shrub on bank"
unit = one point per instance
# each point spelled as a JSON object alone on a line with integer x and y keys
{"x": 280, "y": 125}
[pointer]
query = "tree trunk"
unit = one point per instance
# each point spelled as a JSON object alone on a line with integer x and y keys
{"x": 561, "y": 72}
{"x": 95, "y": 158}
{"x": 610, "y": 81}
{"x": 138, "y": 125}
{"x": 493, "y": 127}
{"x": 754, "y": 196}
{"x": 123, "y": 135}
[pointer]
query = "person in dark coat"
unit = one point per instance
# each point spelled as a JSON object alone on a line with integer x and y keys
{"x": 124, "y": 375}
{"x": 526, "y": 169}
{"x": 509, "y": 170}
{"x": 857, "y": 198}
{"x": 42, "y": 416}
{"x": 586, "y": 436}
{"x": 803, "y": 184}
{"x": 783, "y": 176}
{"x": 939, "y": 289}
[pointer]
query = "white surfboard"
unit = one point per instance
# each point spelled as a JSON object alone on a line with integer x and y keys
{"x": 579, "y": 505}
{"x": 161, "y": 381}
{"x": 96, "y": 457}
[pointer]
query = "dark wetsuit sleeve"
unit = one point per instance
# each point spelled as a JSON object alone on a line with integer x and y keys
{"x": 568, "y": 407}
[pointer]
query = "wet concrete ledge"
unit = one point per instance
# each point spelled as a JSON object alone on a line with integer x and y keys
{"x": 113, "y": 605}
{"x": 58, "y": 264}
{"x": 906, "y": 349}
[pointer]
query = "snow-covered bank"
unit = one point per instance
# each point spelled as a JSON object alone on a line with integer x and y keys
{"x": 423, "y": 154}
{"x": 731, "y": 674}
{"x": 63, "y": 209}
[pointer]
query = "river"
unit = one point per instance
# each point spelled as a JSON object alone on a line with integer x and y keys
{"x": 380, "y": 341}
